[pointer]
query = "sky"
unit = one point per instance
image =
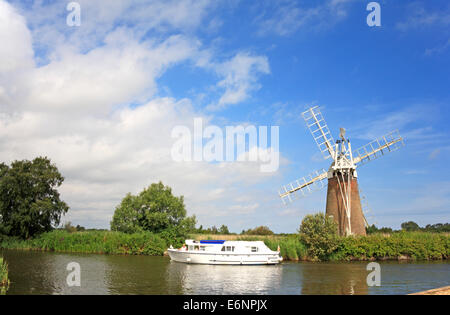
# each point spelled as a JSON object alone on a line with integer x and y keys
{"x": 101, "y": 101}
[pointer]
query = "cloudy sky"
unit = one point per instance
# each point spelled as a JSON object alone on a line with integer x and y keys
{"x": 101, "y": 100}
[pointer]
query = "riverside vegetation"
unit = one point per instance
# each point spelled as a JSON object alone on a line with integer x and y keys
{"x": 4, "y": 281}
{"x": 294, "y": 247}
{"x": 148, "y": 223}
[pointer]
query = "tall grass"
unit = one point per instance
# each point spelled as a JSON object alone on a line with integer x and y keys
{"x": 4, "y": 281}
{"x": 99, "y": 242}
{"x": 403, "y": 245}
{"x": 378, "y": 246}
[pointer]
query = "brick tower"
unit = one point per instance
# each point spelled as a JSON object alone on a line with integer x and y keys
{"x": 354, "y": 223}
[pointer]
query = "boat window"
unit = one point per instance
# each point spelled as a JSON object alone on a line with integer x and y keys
{"x": 196, "y": 248}
{"x": 223, "y": 248}
{"x": 191, "y": 247}
{"x": 254, "y": 249}
{"x": 202, "y": 248}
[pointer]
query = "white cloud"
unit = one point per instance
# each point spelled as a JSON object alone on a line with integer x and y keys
{"x": 98, "y": 115}
{"x": 286, "y": 17}
{"x": 438, "y": 49}
{"x": 420, "y": 18}
{"x": 240, "y": 75}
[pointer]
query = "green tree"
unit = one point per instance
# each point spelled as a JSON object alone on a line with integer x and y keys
{"x": 155, "y": 209}
{"x": 29, "y": 200}
{"x": 410, "y": 226}
{"x": 319, "y": 233}
{"x": 373, "y": 229}
{"x": 223, "y": 230}
{"x": 259, "y": 230}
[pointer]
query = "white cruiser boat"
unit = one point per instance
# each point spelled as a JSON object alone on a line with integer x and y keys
{"x": 220, "y": 252}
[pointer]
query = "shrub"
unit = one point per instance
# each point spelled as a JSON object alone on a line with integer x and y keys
{"x": 319, "y": 234}
{"x": 4, "y": 281}
{"x": 260, "y": 230}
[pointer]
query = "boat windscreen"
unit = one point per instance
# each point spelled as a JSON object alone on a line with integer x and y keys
{"x": 212, "y": 242}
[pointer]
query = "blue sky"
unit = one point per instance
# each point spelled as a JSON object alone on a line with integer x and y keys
{"x": 101, "y": 99}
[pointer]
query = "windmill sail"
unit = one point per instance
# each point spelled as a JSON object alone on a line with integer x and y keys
{"x": 378, "y": 147}
{"x": 303, "y": 186}
{"x": 319, "y": 130}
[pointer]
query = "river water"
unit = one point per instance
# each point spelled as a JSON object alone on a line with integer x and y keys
{"x": 45, "y": 273}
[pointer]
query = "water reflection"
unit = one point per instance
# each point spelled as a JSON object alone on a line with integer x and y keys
{"x": 334, "y": 278}
{"x": 219, "y": 279}
{"x": 45, "y": 273}
{"x": 139, "y": 275}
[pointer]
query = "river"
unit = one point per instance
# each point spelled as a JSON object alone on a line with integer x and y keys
{"x": 34, "y": 272}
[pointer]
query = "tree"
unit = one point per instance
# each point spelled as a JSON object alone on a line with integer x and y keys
{"x": 319, "y": 233}
{"x": 410, "y": 226}
{"x": 373, "y": 229}
{"x": 259, "y": 230}
{"x": 155, "y": 209}
{"x": 223, "y": 230}
{"x": 29, "y": 200}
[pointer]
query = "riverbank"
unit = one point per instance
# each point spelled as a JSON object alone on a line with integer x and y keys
{"x": 438, "y": 291}
{"x": 396, "y": 246}
{"x": 4, "y": 280}
{"x": 92, "y": 242}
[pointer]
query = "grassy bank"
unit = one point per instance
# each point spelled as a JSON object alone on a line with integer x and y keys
{"x": 4, "y": 281}
{"x": 402, "y": 245}
{"x": 98, "y": 242}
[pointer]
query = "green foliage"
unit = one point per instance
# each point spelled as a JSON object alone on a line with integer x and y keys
{"x": 68, "y": 227}
{"x": 4, "y": 280}
{"x": 437, "y": 228}
{"x": 409, "y": 245}
{"x": 373, "y": 229}
{"x": 213, "y": 230}
{"x": 319, "y": 233}
{"x": 98, "y": 242}
{"x": 29, "y": 200}
{"x": 155, "y": 209}
{"x": 260, "y": 230}
{"x": 224, "y": 230}
{"x": 410, "y": 226}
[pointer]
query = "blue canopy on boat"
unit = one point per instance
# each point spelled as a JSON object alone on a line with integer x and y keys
{"x": 212, "y": 242}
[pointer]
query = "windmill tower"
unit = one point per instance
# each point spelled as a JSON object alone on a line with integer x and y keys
{"x": 343, "y": 200}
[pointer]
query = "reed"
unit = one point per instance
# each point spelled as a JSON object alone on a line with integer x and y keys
{"x": 4, "y": 281}
{"x": 399, "y": 245}
{"x": 98, "y": 242}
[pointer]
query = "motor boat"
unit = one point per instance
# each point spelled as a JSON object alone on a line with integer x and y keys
{"x": 221, "y": 252}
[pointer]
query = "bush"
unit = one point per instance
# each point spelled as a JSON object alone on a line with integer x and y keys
{"x": 319, "y": 233}
{"x": 260, "y": 230}
{"x": 98, "y": 242}
{"x": 4, "y": 281}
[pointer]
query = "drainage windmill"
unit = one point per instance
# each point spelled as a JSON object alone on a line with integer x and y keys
{"x": 343, "y": 200}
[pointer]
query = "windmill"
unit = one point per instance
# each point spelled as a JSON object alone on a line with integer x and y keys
{"x": 343, "y": 200}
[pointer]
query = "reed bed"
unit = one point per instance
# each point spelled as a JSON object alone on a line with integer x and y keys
{"x": 401, "y": 245}
{"x": 378, "y": 246}
{"x": 97, "y": 242}
{"x": 4, "y": 281}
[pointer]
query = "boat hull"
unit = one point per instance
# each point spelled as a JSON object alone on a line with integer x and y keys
{"x": 190, "y": 257}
